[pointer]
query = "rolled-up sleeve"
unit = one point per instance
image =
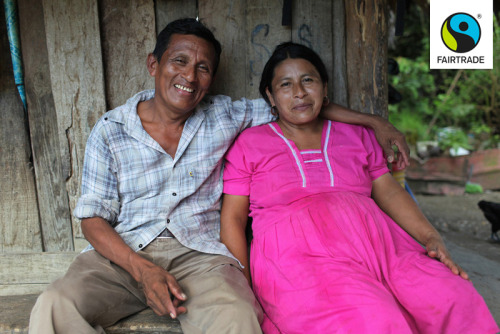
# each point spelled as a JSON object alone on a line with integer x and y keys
{"x": 237, "y": 173}
{"x": 99, "y": 180}
{"x": 376, "y": 160}
{"x": 244, "y": 113}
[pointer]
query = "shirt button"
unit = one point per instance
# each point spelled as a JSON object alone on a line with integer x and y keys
{"x": 140, "y": 245}
{"x": 174, "y": 194}
{"x": 168, "y": 221}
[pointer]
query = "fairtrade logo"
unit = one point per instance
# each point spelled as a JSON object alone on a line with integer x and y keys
{"x": 460, "y": 32}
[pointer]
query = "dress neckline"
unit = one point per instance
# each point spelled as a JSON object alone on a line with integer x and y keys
{"x": 324, "y": 131}
{"x": 299, "y": 160}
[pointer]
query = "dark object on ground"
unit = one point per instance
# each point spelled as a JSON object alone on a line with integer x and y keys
{"x": 491, "y": 211}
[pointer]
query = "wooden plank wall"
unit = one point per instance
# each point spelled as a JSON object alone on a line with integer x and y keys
{"x": 83, "y": 57}
{"x": 19, "y": 223}
{"x": 128, "y": 33}
{"x": 250, "y": 30}
{"x": 42, "y": 117}
{"x": 366, "y": 32}
{"x": 29, "y": 273}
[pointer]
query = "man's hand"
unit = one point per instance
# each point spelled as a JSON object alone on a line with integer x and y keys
{"x": 163, "y": 293}
{"x": 388, "y": 137}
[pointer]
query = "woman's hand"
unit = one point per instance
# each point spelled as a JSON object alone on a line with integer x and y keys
{"x": 436, "y": 249}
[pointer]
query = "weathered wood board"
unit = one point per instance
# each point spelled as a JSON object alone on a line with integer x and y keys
{"x": 263, "y": 33}
{"x": 128, "y": 35}
{"x": 338, "y": 82}
{"x": 366, "y": 51}
{"x": 51, "y": 185}
{"x": 224, "y": 18}
{"x": 169, "y": 10}
{"x": 76, "y": 74}
{"x": 313, "y": 28}
{"x": 19, "y": 224}
{"x": 24, "y": 273}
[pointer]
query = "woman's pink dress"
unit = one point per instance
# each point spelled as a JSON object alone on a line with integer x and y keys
{"x": 324, "y": 257}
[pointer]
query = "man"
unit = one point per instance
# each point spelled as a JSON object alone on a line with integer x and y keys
{"x": 150, "y": 202}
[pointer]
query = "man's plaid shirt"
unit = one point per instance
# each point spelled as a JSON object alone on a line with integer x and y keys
{"x": 132, "y": 183}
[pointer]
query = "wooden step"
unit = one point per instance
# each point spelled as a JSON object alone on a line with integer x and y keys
{"x": 15, "y": 312}
{"x": 23, "y": 276}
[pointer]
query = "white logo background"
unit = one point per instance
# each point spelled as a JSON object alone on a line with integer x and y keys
{"x": 440, "y": 56}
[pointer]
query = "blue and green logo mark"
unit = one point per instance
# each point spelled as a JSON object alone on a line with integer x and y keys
{"x": 460, "y": 32}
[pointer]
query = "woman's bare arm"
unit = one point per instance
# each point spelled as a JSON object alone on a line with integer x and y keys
{"x": 398, "y": 204}
{"x": 233, "y": 221}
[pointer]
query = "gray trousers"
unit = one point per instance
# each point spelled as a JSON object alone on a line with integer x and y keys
{"x": 96, "y": 293}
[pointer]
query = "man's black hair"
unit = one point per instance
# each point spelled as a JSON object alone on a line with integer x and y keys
{"x": 187, "y": 26}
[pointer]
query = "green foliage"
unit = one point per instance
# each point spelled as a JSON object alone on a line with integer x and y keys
{"x": 411, "y": 124}
{"x": 484, "y": 137}
{"x": 453, "y": 138}
{"x": 434, "y": 99}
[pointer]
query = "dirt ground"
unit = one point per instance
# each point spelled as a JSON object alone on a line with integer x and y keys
{"x": 458, "y": 213}
{"x": 459, "y": 220}
{"x": 466, "y": 234}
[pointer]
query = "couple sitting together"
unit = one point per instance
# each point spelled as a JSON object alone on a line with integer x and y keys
{"x": 338, "y": 245}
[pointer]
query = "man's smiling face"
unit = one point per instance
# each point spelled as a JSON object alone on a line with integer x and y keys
{"x": 184, "y": 74}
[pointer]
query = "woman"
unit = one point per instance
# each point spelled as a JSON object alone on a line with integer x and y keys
{"x": 334, "y": 247}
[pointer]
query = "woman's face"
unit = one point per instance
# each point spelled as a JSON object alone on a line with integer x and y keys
{"x": 298, "y": 92}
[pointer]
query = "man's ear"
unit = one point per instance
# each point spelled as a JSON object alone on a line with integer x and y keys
{"x": 152, "y": 64}
{"x": 270, "y": 97}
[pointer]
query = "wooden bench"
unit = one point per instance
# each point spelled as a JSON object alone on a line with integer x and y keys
{"x": 24, "y": 276}
{"x": 15, "y": 312}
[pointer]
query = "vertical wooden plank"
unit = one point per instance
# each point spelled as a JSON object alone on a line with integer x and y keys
{"x": 366, "y": 51}
{"x": 51, "y": 186}
{"x": 169, "y": 10}
{"x": 339, "y": 80}
{"x": 128, "y": 35}
{"x": 263, "y": 33}
{"x": 76, "y": 74}
{"x": 227, "y": 20}
{"x": 19, "y": 224}
{"x": 313, "y": 26}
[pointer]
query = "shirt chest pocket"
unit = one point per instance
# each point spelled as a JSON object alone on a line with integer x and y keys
{"x": 203, "y": 178}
